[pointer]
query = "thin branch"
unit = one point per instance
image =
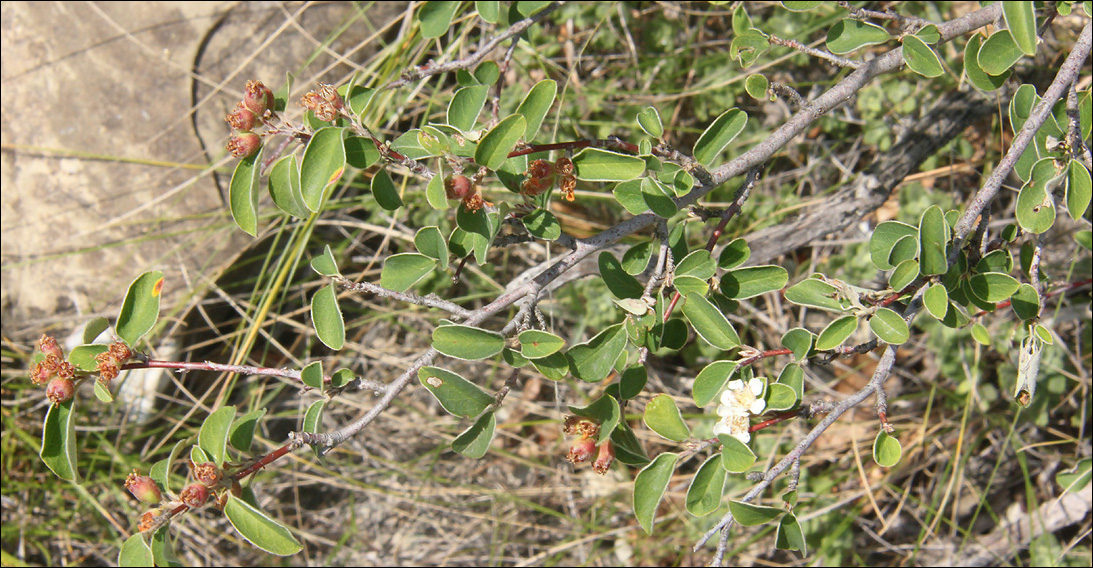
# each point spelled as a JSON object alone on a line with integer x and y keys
{"x": 427, "y": 301}
{"x": 826, "y": 55}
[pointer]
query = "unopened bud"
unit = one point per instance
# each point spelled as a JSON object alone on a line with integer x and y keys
{"x": 195, "y": 495}
{"x": 458, "y": 187}
{"x": 144, "y": 488}
{"x": 40, "y": 374}
{"x": 48, "y": 345}
{"x": 604, "y": 458}
{"x": 208, "y": 474}
{"x": 330, "y": 95}
{"x": 581, "y": 450}
{"x": 121, "y": 352}
{"x": 241, "y": 118}
{"x": 244, "y": 144}
{"x": 60, "y": 390}
{"x": 257, "y": 97}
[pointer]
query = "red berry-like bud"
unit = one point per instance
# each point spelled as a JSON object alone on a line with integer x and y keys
{"x": 539, "y": 178}
{"x": 458, "y": 187}
{"x": 257, "y": 97}
{"x": 604, "y": 458}
{"x": 195, "y": 495}
{"x": 241, "y": 118}
{"x": 48, "y": 345}
{"x": 40, "y": 373}
{"x": 144, "y": 488}
{"x": 60, "y": 390}
{"x": 581, "y": 450}
{"x": 244, "y": 144}
{"x": 208, "y": 474}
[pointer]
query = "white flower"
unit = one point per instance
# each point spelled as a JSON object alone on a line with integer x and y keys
{"x": 738, "y": 403}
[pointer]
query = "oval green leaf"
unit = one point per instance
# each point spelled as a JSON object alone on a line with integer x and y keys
{"x": 135, "y": 552}
{"x": 213, "y": 436}
{"x": 140, "y": 309}
{"x": 59, "y": 441}
{"x": 836, "y": 333}
{"x": 326, "y": 316}
{"x": 385, "y": 192}
{"x": 475, "y": 441}
{"x": 241, "y": 433}
{"x": 734, "y": 254}
{"x": 604, "y": 410}
{"x": 618, "y": 281}
{"x": 889, "y": 326}
{"x": 1079, "y": 189}
{"x": 976, "y": 75}
{"x": 536, "y": 105}
{"x": 495, "y": 146}
{"x": 933, "y": 242}
{"x": 260, "y": 530}
{"x": 744, "y": 283}
{"x": 849, "y": 34}
{"x": 596, "y": 164}
{"x": 324, "y": 264}
{"x": 649, "y": 121}
{"x": 401, "y": 271}
{"x": 749, "y": 515}
{"x": 711, "y": 380}
{"x": 936, "y": 300}
{"x": 993, "y": 287}
{"x": 649, "y": 486}
{"x": 886, "y": 450}
{"x": 710, "y": 324}
{"x": 780, "y": 397}
{"x": 323, "y": 163}
{"x": 662, "y": 416}
{"x": 1021, "y": 21}
{"x": 904, "y": 274}
{"x": 999, "y": 53}
{"x": 457, "y": 395}
{"x": 543, "y": 224}
{"x": 593, "y": 360}
{"x": 535, "y": 344}
{"x": 707, "y": 487}
{"x": 719, "y": 134}
{"x": 466, "y": 342}
{"x": 284, "y": 186}
{"x": 736, "y": 456}
{"x": 790, "y": 536}
{"x": 799, "y": 340}
{"x": 466, "y": 105}
{"x": 920, "y": 58}
{"x": 243, "y": 193}
{"x": 436, "y": 17}
{"x": 756, "y": 85}
{"x": 430, "y": 242}
{"x": 312, "y": 375}
{"x": 884, "y": 239}
{"x": 815, "y": 293}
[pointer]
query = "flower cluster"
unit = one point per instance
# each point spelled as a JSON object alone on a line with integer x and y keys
{"x": 324, "y": 102}
{"x": 541, "y": 175}
{"x": 738, "y": 403}
{"x": 53, "y": 371}
{"x": 210, "y": 485}
{"x": 257, "y": 104}
{"x": 108, "y": 362}
{"x": 585, "y": 445}
{"x": 463, "y": 188}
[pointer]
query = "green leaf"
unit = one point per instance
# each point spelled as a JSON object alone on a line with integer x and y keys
{"x": 1075, "y": 479}
{"x": 848, "y": 35}
{"x": 243, "y": 193}
{"x": 756, "y": 85}
{"x": 801, "y": 6}
{"x": 542, "y": 224}
{"x": 593, "y": 360}
{"x": 649, "y": 121}
{"x": 999, "y": 53}
{"x": 707, "y": 487}
{"x": 629, "y": 195}
{"x": 687, "y": 285}
{"x": 904, "y": 274}
{"x": 886, "y": 450}
{"x": 340, "y": 378}
{"x": 83, "y": 356}
{"x": 489, "y": 11}
{"x": 241, "y": 434}
{"x": 457, "y": 395}
{"x": 780, "y": 397}
{"x": 536, "y": 105}
{"x": 466, "y": 342}
{"x": 815, "y": 293}
{"x": 605, "y": 411}
{"x": 736, "y": 456}
{"x": 936, "y": 300}
{"x": 710, "y": 324}
{"x": 980, "y": 334}
{"x": 326, "y": 316}
{"x": 495, "y": 146}
{"x": 711, "y": 380}
{"x": 313, "y": 420}
{"x": 323, "y": 163}
{"x": 748, "y": 515}
{"x": 747, "y": 46}
{"x": 535, "y": 344}
{"x": 554, "y": 367}
{"x": 885, "y": 237}
{"x": 434, "y": 191}
{"x": 836, "y": 333}
{"x": 284, "y": 187}
{"x": 657, "y": 197}
{"x": 385, "y": 192}
{"x": 475, "y": 441}
{"x": 135, "y": 552}
{"x": 102, "y": 392}
{"x": 1021, "y": 21}
{"x": 619, "y": 283}
{"x": 59, "y": 441}
{"x": 790, "y": 536}
{"x": 734, "y": 254}
{"x": 260, "y": 530}
{"x": 401, "y": 271}
{"x": 649, "y": 486}
{"x": 435, "y": 18}
{"x": 1026, "y": 302}
{"x": 312, "y": 375}
{"x": 976, "y": 75}
{"x": 1079, "y": 189}
{"x": 793, "y": 377}
{"x": 466, "y": 105}
{"x": 744, "y": 283}
{"x": 889, "y": 327}
{"x": 94, "y": 328}
{"x": 662, "y": 416}
{"x": 325, "y": 264}
{"x": 636, "y": 258}
{"x": 920, "y": 57}
{"x": 719, "y": 134}
{"x": 741, "y": 21}
{"x": 213, "y": 436}
{"x": 993, "y": 287}
{"x": 929, "y": 34}
{"x": 430, "y": 242}
{"x": 596, "y": 164}
{"x": 632, "y": 382}
{"x": 799, "y": 340}
{"x": 140, "y": 309}
{"x": 697, "y": 264}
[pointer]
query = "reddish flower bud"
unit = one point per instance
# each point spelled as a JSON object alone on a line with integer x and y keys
{"x": 474, "y": 202}
{"x": 48, "y": 345}
{"x": 149, "y": 521}
{"x": 566, "y": 170}
{"x": 241, "y": 118}
{"x": 458, "y": 187}
{"x": 604, "y": 458}
{"x": 195, "y": 495}
{"x": 121, "y": 352}
{"x": 40, "y": 373}
{"x": 60, "y": 390}
{"x": 257, "y": 97}
{"x": 208, "y": 474}
{"x": 581, "y": 450}
{"x": 65, "y": 370}
{"x": 144, "y": 488}
{"x": 330, "y": 95}
{"x": 244, "y": 144}
{"x": 323, "y": 109}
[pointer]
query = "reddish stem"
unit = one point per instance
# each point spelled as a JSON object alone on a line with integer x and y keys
{"x": 777, "y": 418}
{"x": 266, "y": 460}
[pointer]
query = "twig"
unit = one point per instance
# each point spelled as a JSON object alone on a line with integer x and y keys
{"x": 430, "y": 302}
{"x": 794, "y": 44}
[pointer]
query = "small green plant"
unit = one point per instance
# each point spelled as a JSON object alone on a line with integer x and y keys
{"x": 488, "y": 170}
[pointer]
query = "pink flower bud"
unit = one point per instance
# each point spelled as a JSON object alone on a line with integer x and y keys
{"x": 241, "y": 118}
{"x": 41, "y": 373}
{"x": 208, "y": 474}
{"x": 48, "y": 345}
{"x": 604, "y": 458}
{"x": 195, "y": 495}
{"x": 257, "y": 97}
{"x": 582, "y": 450}
{"x": 458, "y": 187}
{"x": 244, "y": 144}
{"x": 60, "y": 390}
{"x": 144, "y": 488}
